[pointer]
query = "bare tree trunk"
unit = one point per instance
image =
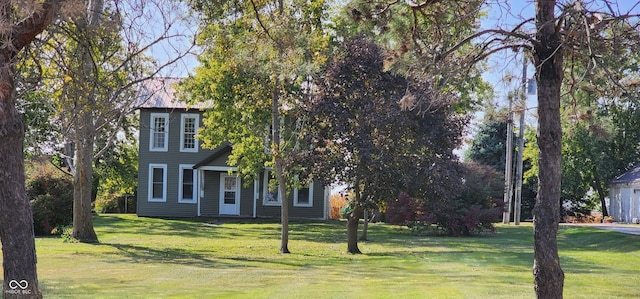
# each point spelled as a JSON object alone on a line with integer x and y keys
{"x": 85, "y": 130}
{"x": 16, "y": 222}
{"x": 365, "y": 225}
{"x": 548, "y": 275}
{"x": 279, "y": 164}
{"x": 83, "y": 177}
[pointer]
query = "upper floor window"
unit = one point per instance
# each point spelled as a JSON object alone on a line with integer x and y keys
{"x": 188, "y": 131}
{"x": 158, "y": 137}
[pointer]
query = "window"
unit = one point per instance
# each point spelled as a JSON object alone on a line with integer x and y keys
{"x": 187, "y": 187}
{"x": 188, "y": 131}
{"x": 157, "y": 182}
{"x": 270, "y": 190}
{"x": 159, "y": 132}
{"x": 303, "y": 197}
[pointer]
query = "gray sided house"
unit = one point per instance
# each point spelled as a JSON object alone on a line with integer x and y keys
{"x": 178, "y": 178}
{"x": 624, "y": 196}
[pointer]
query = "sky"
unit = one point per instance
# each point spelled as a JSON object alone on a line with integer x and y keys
{"x": 505, "y": 69}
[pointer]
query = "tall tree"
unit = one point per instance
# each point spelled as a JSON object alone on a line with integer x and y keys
{"x": 92, "y": 65}
{"x": 259, "y": 58}
{"x": 489, "y": 144}
{"x": 18, "y": 28}
{"x": 365, "y": 133}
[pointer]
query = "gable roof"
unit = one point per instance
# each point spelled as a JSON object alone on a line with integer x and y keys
{"x": 630, "y": 176}
{"x": 161, "y": 93}
{"x": 217, "y": 152}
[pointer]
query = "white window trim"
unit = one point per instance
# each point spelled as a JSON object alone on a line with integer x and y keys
{"x": 295, "y": 197}
{"x": 197, "y": 125}
{"x": 152, "y": 129}
{"x": 265, "y": 191}
{"x": 181, "y": 184}
{"x": 164, "y": 183}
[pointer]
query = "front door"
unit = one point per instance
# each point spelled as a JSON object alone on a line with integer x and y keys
{"x": 229, "y": 194}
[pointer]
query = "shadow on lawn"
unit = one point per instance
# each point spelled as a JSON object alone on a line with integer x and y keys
{"x": 143, "y": 254}
{"x": 308, "y": 230}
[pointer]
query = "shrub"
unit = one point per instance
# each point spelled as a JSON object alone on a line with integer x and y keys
{"x": 403, "y": 210}
{"x": 477, "y": 207}
{"x": 116, "y": 204}
{"x": 51, "y": 199}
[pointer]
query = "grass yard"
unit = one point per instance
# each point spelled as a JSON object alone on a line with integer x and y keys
{"x": 155, "y": 258}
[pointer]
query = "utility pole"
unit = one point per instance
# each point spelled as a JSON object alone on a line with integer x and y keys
{"x": 518, "y": 199}
{"x": 506, "y": 215}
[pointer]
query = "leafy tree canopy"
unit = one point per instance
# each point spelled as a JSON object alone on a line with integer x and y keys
{"x": 380, "y": 133}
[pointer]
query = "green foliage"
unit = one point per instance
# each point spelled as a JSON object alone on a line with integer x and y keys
{"x": 66, "y": 233}
{"x": 416, "y": 36}
{"x": 36, "y": 108}
{"x": 489, "y": 143}
{"x": 598, "y": 147}
{"x": 51, "y": 198}
{"x": 257, "y": 52}
{"x": 116, "y": 171}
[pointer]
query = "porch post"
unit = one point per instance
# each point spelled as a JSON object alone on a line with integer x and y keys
{"x": 200, "y": 184}
{"x": 256, "y": 187}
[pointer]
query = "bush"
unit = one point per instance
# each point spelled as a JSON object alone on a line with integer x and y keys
{"x": 51, "y": 199}
{"x": 403, "y": 210}
{"x": 116, "y": 204}
{"x": 477, "y": 207}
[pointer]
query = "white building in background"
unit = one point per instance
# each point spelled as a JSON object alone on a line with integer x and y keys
{"x": 624, "y": 196}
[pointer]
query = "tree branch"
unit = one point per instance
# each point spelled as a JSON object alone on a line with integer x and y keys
{"x": 489, "y": 31}
{"x": 414, "y": 5}
{"x": 27, "y": 29}
{"x": 266, "y": 31}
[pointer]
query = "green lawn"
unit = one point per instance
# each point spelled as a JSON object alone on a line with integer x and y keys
{"x": 155, "y": 258}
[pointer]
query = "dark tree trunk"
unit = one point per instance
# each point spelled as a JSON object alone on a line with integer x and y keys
{"x": 284, "y": 240}
{"x": 352, "y": 230}
{"x": 16, "y": 222}
{"x": 548, "y": 275}
{"x": 601, "y": 195}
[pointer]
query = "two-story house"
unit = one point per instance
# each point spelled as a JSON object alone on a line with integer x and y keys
{"x": 179, "y": 178}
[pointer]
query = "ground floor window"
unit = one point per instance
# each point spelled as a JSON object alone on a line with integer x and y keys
{"x": 188, "y": 177}
{"x": 270, "y": 190}
{"x": 303, "y": 196}
{"x": 157, "y": 182}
